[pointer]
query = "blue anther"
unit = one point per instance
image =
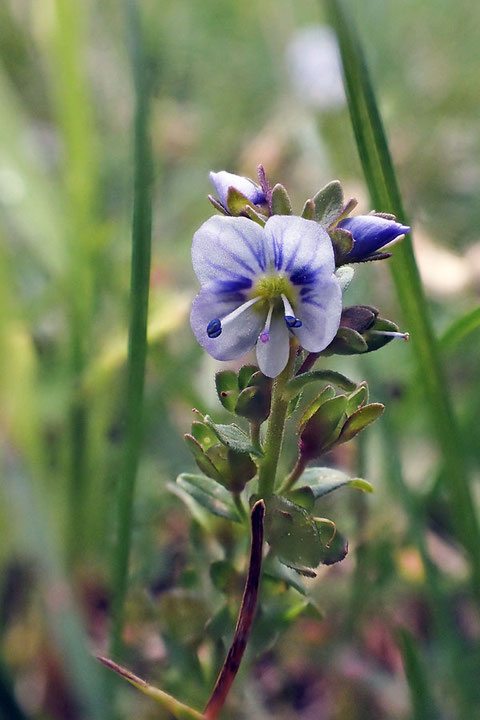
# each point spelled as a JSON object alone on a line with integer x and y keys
{"x": 298, "y": 323}
{"x": 214, "y": 328}
{"x": 290, "y": 320}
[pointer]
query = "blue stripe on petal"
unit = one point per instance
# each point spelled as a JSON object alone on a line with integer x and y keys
{"x": 304, "y": 276}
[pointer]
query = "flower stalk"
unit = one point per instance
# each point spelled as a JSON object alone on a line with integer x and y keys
{"x": 276, "y": 424}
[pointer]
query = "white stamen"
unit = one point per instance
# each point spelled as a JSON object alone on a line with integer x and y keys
{"x": 388, "y": 333}
{"x": 287, "y": 306}
{"x": 239, "y": 310}
{"x": 265, "y": 334}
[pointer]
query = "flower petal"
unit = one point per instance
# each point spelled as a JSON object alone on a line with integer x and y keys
{"x": 228, "y": 250}
{"x": 370, "y": 233}
{"x": 223, "y": 180}
{"x": 319, "y": 309}
{"x": 299, "y": 247}
{"x": 272, "y": 356}
{"x": 237, "y": 337}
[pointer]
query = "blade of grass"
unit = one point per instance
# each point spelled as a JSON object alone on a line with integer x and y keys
{"x": 385, "y": 195}
{"x": 459, "y": 329}
{"x": 79, "y": 171}
{"x": 137, "y": 341}
{"x": 451, "y": 646}
{"x": 417, "y": 678}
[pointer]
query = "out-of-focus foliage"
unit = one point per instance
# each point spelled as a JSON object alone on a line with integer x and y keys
{"x": 224, "y": 97}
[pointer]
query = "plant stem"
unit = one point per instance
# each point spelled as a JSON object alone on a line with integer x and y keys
{"x": 239, "y": 505}
{"x": 245, "y": 618}
{"x": 255, "y": 435}
{"x": 137, "y": 341}
{"x": 291, "y": 479}
{"x": 276, "y": 424}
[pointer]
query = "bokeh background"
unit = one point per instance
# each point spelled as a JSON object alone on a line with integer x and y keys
{"x": 235, "y": 84}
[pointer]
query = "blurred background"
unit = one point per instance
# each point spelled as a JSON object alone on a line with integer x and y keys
{"x": 235, "y": 85}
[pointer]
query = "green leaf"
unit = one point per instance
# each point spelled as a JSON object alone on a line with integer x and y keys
{"x": 347, "y": 209}
{"x": 233, "y": 437}
{"x": 329, "y": 376}
{"x": 324, "y": 480}
{"x": 226, "y": 383}
{"x": 210, "y": 494}
{"x": 255, "y": 216}
{"x": 328, "y": 203}
{"x": 302, "y": 496}
{"x": 460, "y": 328}
{"x": 308, "y": 211}
{"x": 294, "y": 403}
{"x": 359, "y": 420}
{"x": 335, "y": 548}
{"x": 281, "y": 203}
{"x": 291, "y": 533}
{"x": 272, "y": 567}
{"x": 177, "y": 709}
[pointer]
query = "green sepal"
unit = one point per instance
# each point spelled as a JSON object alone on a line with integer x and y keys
{"x": 253, "y": 404}
{"x": 331, "y": 376}
{"x": 346, "y": 342}
{"x": 359, "y": 420}
{"x": 294, "y": 403}
{"x": 342, "y": 241}
{"x": 375, "y": 342}
{"x": 203, "y": 461}
{"x": 345, "y": 212}
{"x": 237, "y": 202}
{"x": 357, "y": 399}
{"x": 233, "y": 437}
{"x": 324, "y": 480}
{"x": 226, "y": 383}
{"x": 328, "y": 203}
{"x": 209, "y": 494}
{"x": 358, "y": 317}
{"x": 291, "y": 533}
{"x": 203, "y": 434}
{"x": 308, "y": 211}
{"x": 323, "y": 428}
{"x": 217, "y": 205}
{"x": 327, "y": 394}
{"x": 255, "y": 216}
{"x": 244, "y": 375}
{"x": 281, "y": 203}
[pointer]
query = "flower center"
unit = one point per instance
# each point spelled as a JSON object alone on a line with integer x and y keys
{"x": 269, "y": 292}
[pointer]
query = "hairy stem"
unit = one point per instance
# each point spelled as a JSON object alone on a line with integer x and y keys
{"x": 245, "y": 618}
{"x": 276, "y": 424}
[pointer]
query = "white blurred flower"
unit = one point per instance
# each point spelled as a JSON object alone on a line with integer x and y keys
{"x": 313, "y": 63}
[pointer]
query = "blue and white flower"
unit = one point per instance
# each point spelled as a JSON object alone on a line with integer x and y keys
{"x": 370, "y": 233}
{"x": 260, "y": 285}
{"x": 222, "y": 182}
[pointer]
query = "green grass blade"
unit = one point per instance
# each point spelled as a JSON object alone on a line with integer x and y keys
{"x": 384, "y": 191}
{"x": 423, "y": 705}
{"x": 459, "y": 329}
{"x": 137, "y": 342}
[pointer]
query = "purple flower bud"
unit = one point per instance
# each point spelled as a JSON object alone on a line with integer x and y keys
{"x": 370, "y": 233}
{"x": 222, "y": 181}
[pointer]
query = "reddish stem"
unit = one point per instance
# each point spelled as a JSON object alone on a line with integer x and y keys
{"x": 245, "y": 618}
